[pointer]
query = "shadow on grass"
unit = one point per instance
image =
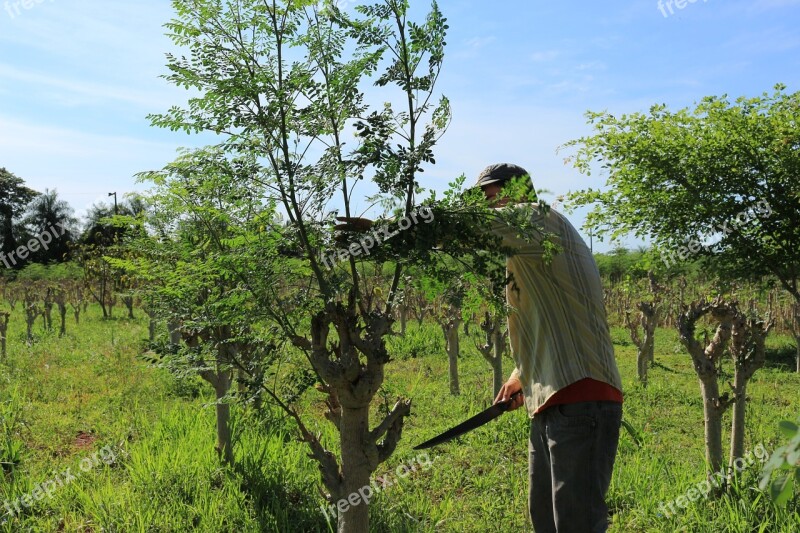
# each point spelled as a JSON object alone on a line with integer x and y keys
{"x": 279, "y": 506}
{"x": 656, "y": 364}
{"x": 284, "y": 503}
{"x": 782, "y": 358}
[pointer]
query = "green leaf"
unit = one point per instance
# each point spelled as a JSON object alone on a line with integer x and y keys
{"x": 781, "y": 489}
{"x": 788, "y": 429}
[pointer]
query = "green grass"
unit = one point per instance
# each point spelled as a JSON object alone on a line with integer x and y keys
{"x": 62, "y": 400}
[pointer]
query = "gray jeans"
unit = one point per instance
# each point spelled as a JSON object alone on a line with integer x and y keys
{"x": 571, "y": 456}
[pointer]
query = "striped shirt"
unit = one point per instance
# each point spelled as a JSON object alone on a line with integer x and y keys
{"x": 557, "y": 323}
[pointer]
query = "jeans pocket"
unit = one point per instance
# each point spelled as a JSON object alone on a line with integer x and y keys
{"x": 576, "y": 415}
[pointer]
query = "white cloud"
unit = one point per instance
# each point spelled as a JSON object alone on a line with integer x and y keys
{"x": 82, "y": 166}
{"x": 545, "y": 56}
{"x": 74, "y": 92}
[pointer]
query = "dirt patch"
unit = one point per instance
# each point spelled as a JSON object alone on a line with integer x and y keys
{"x": 84, "y": 440}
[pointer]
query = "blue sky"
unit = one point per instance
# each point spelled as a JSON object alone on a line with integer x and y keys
{"x": 77, "y": 79}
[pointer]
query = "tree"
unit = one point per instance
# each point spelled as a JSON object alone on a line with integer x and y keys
{"x": 748, "y": 352}
{"x": 47, "y": 213}
{"x": 647, "y": 319}
{"x": 273, "y": 81}
{"x": 718, "y": 182}
{"x": 204, "y": 268}
{"x": 14, "y": 196}
{"x": 705, "y": 356}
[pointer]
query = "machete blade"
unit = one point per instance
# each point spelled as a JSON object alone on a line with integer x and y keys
{"x": 468, "y": 425}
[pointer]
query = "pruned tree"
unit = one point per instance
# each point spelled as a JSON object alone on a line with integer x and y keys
{"x": 449, "y": 319}
{"x": 748, "y": 337}
{"x": 60, "y": 298}
{"x": 32, "y": 309}
{"x": 494, "y": 330}
{"x": 647, "y": 319}
{"x": 706, "y": 356}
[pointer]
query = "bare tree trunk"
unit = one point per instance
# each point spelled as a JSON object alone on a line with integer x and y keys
{"x": 222, "y": 385}
{"x": 48, "y": 314}
{"x": 128, "y": 301}
{"x": 403, "y": 318}
{"x": 220, "y": 378}
{"x": 497, "y": 364}
{"x": 354, "y": 430}
{"x": 4, "y": 317}
{"x": 62, "y": 311}
{"x": 450, "y": 329}
{"x": 748, "y": 351}
{"x": 174, "y": 333}
{"x": 494, "y": 348}
{"x": 31, "y": 313}
{"x": 738, "y": 422}
{"x": 648, "y": 320}
{"x": 705, "y": 359}
{"x": 712, "y": 413}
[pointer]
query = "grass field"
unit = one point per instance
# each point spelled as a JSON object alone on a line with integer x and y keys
{"x": 115, "y": 445}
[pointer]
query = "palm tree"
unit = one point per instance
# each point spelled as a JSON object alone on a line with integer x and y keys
{"x": 47, "y": 213}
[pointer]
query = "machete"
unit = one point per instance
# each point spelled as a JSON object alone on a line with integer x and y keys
{"x": 468, "y": 425}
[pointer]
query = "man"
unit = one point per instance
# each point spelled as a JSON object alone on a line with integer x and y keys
{"x": 565, "y": 368}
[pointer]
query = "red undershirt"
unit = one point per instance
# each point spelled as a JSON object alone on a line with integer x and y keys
{"x": 585, "y": 390}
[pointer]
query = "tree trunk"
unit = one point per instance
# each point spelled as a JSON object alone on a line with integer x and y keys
{"x": 174, "y": 333}
{"x": 128, "y": 301}
{"x": 4, "y": 317}
{"x": 48, "y": 316}
{"x": 797, "y": 351}
{"x": 737, "y": 427}
{"x": 62, "y": 310}
{"x": 705, "y": 358}
{"x": 647, "y": 319}
{"x": 748, "y": 352}
{"x": 31, "y": 313}
{"x": 497, "y": 363}
{"x": 403, "y": 319}
{"x": 354, "y": 431}
{"x": 712, "y": 412}
{"x": 451, "y": 336}
{"x": 222, "y": 385}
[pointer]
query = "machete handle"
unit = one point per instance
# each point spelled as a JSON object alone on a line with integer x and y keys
{"x": 506, "y": 404}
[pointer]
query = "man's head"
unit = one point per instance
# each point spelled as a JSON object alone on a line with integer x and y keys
{"x": 494, "y": 177}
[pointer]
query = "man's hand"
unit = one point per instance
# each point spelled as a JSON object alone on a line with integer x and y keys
{"x": 509, "y": 388}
